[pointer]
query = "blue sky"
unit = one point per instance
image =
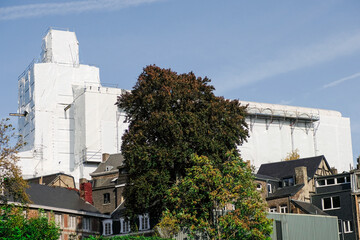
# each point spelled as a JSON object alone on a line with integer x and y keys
{"x": 302, "y": 53}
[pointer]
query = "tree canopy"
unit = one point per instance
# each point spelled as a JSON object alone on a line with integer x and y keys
{"x": 171, "y": 117}
{"x": 293, "y": 155}
{"x": 11, "y": 182}
{"x": 219, "y": 203}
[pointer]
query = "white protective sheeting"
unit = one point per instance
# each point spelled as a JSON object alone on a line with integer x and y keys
{"x": 60, "y": 47}
{"x": 276, "y": 130}
{"x": 71, "y": 118}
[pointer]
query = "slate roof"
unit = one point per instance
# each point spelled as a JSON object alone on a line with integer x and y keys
{"x": 104, "y": 182}
{"x": 114, "y": 160}
{"x": 308, "y": 208}
{"x": 58, "y": 197}
{"x": 119, "y": 211}
{"x": 265, "y": 177}
{"x": 285, "y": 191}
{"x": 286, "y": 169}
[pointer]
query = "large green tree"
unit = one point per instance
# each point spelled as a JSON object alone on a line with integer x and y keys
{"x": 173, "y": 116}
{"x": 217, "y": 202}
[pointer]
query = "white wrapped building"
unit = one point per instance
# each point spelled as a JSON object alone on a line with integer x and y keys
{"x": 276, "y": 130}
{"x": 68, "y": 119}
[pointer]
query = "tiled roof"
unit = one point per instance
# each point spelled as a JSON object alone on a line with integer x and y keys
{"x": 287, "y": 168}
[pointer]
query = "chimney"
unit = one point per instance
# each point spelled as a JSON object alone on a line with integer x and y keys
{"x": 86, "y": 190}
{"x": 105, "y": 157}
{"x": 301, "y": 176}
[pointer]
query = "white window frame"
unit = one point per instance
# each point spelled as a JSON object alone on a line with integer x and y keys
{"x": 332, "y": 203}
{"x": 346, "y": 178}
{"x": 258, "y": 186}
{"x": 144, "y": 222}
{"x": 347, "y": 226}
{"x": 59, "y": 220}
{"x": 124, "y": 226}
{"x": 72, "y": 222}
{"x": 269, "y": 188}
{"x": 272, "y": 209}
{"x": 283, "y": 209}
{"x": 86, "y": 224}
{"x": 107, "y": 227}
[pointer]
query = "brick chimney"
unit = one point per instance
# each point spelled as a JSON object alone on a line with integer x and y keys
{"x": 86, "y": 190}
{"x": 105, "y": 157}
{"x": 301, "y": 176}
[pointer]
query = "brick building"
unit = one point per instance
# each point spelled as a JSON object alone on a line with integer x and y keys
{"x": 75, "y": 217}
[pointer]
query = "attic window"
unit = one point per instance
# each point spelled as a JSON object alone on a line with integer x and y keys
{"x": 288, "y": 182}
{"x": 108, "y": 168}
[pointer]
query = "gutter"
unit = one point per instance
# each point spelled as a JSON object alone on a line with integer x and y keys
{"x": 65, "y": 210}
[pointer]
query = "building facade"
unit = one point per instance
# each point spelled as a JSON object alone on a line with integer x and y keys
{"x": 337, "y": 195}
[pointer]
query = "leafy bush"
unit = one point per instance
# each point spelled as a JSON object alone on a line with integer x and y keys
{"x": 14, "y": 225}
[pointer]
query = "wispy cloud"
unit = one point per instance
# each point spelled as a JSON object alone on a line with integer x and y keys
{"x": 62, "y": 8}
{"x": 296, "y": 58}
{"x": 341, "y": 80}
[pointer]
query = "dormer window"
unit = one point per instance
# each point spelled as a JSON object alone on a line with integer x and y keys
{"x": 288, "y": 182}
{"x": 269, "y": 187}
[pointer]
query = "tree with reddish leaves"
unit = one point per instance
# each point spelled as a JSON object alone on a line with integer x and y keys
{"x": 171, "y": 117}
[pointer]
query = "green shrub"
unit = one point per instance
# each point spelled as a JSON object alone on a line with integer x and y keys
{"x": 13, "y": 225}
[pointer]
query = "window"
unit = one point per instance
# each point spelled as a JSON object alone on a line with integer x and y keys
{"x": 269, "y": 188}
{"x": 107, "y": 227}
{"x": 330, "y": 181}
{"x": 106, "y": 198}
{"x": 59, "y": 220}
{"x": 86, "y": 224}
{"x": 144, "y": 222}
{"x": 72, "y": 222}
{"x": 348, "y": 227}
{"x": 333, "y": 181}
{"x": 272, "y": 209}
{"x": 283, "y": 209}
{"x": 125, "y": 226}
{"x": 258, "y": 187}
{"x": 331, "y": 203}
{"x": 288, "y": 182}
